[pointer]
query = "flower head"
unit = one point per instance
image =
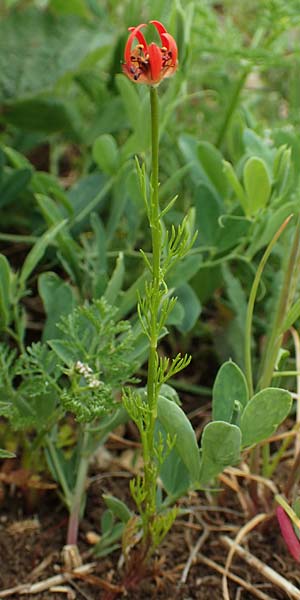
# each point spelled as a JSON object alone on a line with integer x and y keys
{"x": 150, "y": 63}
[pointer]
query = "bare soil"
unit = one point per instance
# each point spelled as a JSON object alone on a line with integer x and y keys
{"x": 31, "y": 546}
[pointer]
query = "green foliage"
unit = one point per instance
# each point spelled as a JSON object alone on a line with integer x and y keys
{"x": 75, "y": 205}
{"x": 53, "y": 47}
{"x": 262, "y": 415}
{"x": 177, "y": 425}
{"x": 230, "y": 392}
{"x": 106, "y": 154}
{"x": 93, "y": 352}
{"x": 220, "y": 447}
{"x": 58, "y": 298}
{"x": 5, "y": 290}
{"x": 111, "y": 534}
{"x": 257, "y": 184}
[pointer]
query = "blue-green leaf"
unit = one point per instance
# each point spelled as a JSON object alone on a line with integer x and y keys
{"x": 263, "y": 414}
{"x": 257, "y": 184}
{"x": 117, "y": 507}
{"x": 220, "y": 448}
{"x": 230, "y": 389}
{"x": 58, "y": 298}
{"x": 36, "y": 253}
{"x": 106, "y": 153}
{"x": 177, "y": 425}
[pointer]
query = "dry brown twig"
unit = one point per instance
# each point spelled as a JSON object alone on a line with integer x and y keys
{"x": 36, "y": 572}
{"x": 241, "y": 534}
{"x": 247, "y": 475}
{"x": 245, "y": 584}
{"x": 46, "y": 584}
{"x": 193, "y": 553}
{"x": 64, "y": 589}
{"x": 277, "y": 579}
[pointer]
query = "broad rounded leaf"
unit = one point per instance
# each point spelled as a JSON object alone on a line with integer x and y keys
{"x": 58, "y": 298}
{"x": 44, "y": 114}
{"x": 42, "y": 48}
{"x": 188, "y": 300}
{"x": 220, "y": 448}
{"x": 230, "y": 387}
{"x": 263, "y": 414}
{"x": 257, "y": 184}
{"x": 176, "y": 424}
{"x": 212, "y": 163}
{"x": 117, "y": 507}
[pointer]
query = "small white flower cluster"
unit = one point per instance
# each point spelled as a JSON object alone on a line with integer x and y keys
{"x": 87, "y": 372}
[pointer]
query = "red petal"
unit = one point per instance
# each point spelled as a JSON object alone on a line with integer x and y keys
{"x": 155, "y": 61}
{"x": 135, "y": 33}
{"x": 160, "y": 28}
{"x": 169, "y": 42}
{"x": 288, "y": 533}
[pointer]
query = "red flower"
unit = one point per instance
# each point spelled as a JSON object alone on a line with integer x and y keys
{"x": 150, "y": 63}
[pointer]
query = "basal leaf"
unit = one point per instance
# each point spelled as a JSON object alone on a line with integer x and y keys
{"x": 12, "y": 184}
{"x": 188, "y": 300}
{"x": 212, "y": 163}
{"x": 117, "y": 507}
{"x": 38, "y": 250}
{"x": 230, "y": 387}
{"x": 106, "y": 153}
{"x": 58, "y": 298}
{"x": 220, "y": 448}
{"x": 176, "y": 423}
{"x": 263, "y": 414}
{"x": 42, "y": 48}
{"x": 115, "y": 283}
{"x": 257, "y": 184}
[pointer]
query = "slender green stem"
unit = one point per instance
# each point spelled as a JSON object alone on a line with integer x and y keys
{"x": 232, "y": 106}
{"x": 150, "y": 469}
{"x": 257, "y": 41}
{"x": 250, "y": 307}
{"x": 11, "y": 237}
{"x": 276, "y": 335}
{"x": 270, "y": 468}
{"x": 286, "y": 374}
{"x": 285, "y": 299}
{"x": 156, "y": 248}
